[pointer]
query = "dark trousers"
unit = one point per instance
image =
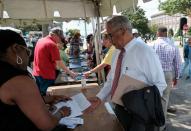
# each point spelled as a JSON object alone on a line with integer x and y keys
{"x": 43, "y": 84}
{"x": 131, "y": 122}
{"x": 60, "y": 128}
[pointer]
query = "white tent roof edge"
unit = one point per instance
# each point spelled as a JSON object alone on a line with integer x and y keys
{"x": 44, "y": 9}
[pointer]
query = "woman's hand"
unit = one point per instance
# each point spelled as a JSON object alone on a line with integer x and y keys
{"x": 65, "y": 111}
{"x": 87, "y": 73}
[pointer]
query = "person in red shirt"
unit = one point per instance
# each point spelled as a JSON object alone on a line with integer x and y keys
{"x": 47, "y": 59}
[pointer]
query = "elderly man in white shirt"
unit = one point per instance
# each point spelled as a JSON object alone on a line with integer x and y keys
{"x": 139, "y": 62}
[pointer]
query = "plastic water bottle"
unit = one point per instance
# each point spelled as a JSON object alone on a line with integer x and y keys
{"x": 83, "y": 81}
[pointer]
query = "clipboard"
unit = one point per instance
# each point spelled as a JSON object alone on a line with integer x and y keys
{"x": 126, "y": 84}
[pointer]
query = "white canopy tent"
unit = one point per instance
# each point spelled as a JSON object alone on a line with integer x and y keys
{"x": 48, "y": 9}
{"x": 23, "y": 12}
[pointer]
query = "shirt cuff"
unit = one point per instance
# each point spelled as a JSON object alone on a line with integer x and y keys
{"x": 101, "y": 96}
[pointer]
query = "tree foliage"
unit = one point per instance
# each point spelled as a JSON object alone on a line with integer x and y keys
{"x": 176, "y": 6}
{"x": 189, "y": 31}
{"x": 179, "y": 33}
{"x": 138, "y": 20}
{"x": 32, "y": 27}
{"x": 170, "y": 32}
{"x": 153, "y": 31}
{"x": 71, "y": 32}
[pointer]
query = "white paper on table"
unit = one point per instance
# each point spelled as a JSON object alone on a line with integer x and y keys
{"x": 82, "y": 101}
{"x": 78, "y": 104}
{"x": 75, "y": 109}
{"x": 71, "y": 122}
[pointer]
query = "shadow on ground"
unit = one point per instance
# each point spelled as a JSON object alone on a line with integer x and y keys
{"x": 181, "y": 99}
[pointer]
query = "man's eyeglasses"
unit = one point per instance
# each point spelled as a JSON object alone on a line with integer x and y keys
{"x": 112, "y": 34}
{"x": 29, "y": 52}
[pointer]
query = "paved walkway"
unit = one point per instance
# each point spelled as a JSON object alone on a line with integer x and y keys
{"x": 181, "y": 99}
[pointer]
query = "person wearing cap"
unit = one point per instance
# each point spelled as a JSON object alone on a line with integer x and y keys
{"x": 47, "y": 59}
{"x": 107, "y": 59}
{"x": 135, "y": 32}
{"x": 21, "y": 106}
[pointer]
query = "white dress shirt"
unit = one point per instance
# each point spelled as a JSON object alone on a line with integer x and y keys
{"x": 139, "y": 62}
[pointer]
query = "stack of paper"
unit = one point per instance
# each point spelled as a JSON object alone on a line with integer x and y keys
{"x": 71, "y": 122}
{"x": 78, "y": 104}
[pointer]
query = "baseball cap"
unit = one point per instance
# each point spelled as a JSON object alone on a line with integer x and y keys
{"x": 59, "y": 32}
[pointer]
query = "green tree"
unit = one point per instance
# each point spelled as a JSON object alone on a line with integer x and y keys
{"x": 178, "y": 33}
{"x": 138, "y": 20}
{"x": 26, "y": 28}
{"x": 176, "y": 6}
{"x": 170, "y": 32}
{"x": 153, "y": 31}
{"x": 189, "y": 31}
{"x": 71, "y": 32}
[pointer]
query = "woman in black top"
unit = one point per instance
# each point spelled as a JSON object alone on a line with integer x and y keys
{"x": 21, "y": 106}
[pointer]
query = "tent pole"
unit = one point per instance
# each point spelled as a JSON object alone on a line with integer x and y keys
{"x": 2, "y": 9}
{"x": 85, "y": 17}
{"x": 98, "y": 39}
{"x": 45, "y": 9}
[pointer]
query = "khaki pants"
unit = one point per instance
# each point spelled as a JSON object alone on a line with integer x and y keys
{"x": 166, "y": 93}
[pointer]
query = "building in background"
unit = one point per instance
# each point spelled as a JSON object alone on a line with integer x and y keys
{"x": 171, "y": 22}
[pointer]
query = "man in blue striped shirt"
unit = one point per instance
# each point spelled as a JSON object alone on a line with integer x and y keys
{"x": 170, "y": 59}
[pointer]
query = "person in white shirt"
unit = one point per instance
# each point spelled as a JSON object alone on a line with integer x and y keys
{"x": 139, "y": 62}
{"x": 136, "y": 34}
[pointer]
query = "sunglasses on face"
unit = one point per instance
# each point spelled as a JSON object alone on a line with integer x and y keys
{"x": 29, "y": 52}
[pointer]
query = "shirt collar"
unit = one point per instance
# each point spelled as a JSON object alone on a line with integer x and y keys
{"x": 161, "y": 37}
{"x": 130, "y": 44}
{"x": 51, "y": 39}
{"x": 163, "y": 40}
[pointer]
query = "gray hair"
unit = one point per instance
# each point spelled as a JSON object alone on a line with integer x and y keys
{"x": 118, "y": 22}
{"x": 56, "y": 30}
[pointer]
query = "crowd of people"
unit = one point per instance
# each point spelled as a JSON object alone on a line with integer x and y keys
{"x": 128, "y": 58}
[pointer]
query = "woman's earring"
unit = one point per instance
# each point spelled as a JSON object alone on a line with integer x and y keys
{"x": 19, "y": 60}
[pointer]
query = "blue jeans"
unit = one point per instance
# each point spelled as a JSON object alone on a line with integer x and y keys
{"x": 43, "y": 84}
{"x": 185, "y": 65}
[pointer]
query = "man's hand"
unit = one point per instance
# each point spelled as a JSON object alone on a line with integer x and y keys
{"x": 174, "y": 82}
{"x": 95, "y": 102}
{"x": 73, "y": 74}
